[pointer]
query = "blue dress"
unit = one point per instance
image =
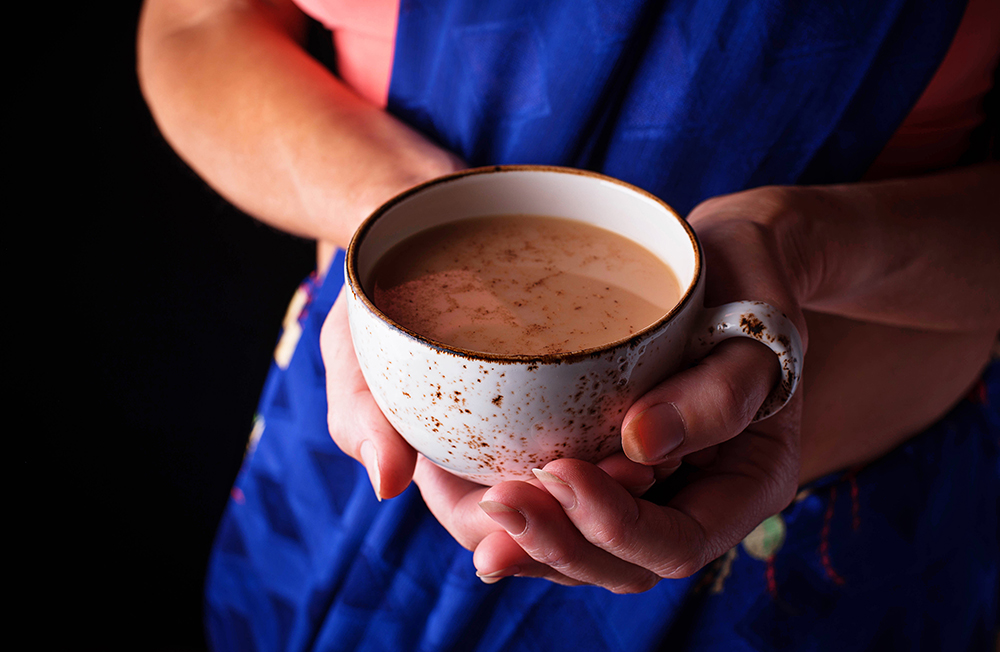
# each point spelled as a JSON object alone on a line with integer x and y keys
{"x": 688, "y": 100}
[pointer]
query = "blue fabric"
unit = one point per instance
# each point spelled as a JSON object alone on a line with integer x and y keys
{"x": 688, "y": 100}
{"x": 307, "y": 559}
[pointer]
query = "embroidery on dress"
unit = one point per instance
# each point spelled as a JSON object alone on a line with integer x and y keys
{"x": 298, "y": 309}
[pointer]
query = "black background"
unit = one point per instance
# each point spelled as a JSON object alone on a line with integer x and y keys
{"x": 152, "y": 307}
{"x": 163, "y": 307}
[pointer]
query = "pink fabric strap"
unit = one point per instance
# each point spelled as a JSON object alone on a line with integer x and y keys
{"x": 364, "y": 32}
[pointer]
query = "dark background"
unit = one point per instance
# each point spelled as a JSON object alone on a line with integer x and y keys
{"x": 173, "y": 302}
{"x": 160, "y": 306}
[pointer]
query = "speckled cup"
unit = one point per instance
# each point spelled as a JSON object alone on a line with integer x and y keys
{"x": 489, "y": 417}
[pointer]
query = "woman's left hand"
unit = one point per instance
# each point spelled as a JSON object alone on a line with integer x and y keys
{"x": 577, "y": 524}
{"x": 889, "y": 253}
{"x": 459, "y": 506}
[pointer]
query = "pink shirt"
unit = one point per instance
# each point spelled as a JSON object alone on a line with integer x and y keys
{"x": 364, "y": 34}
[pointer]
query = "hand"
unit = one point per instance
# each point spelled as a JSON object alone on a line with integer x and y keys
{"x": 459, "y": 506}
{"x": 589, "y": 529}
{"x": 785, "y": 246}
{"x": 359, "y": 428}
{"x": 356, "y": 423}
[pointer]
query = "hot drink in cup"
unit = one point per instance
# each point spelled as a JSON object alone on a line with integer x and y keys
{"x": 505, "y": 317}
{"x": 523, "y": 285}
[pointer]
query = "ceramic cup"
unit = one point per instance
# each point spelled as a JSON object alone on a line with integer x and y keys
{"x": 488, "y": 417}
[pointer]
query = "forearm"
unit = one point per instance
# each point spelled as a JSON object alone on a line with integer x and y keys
{"x": 914, "y": 266}
{"x": 266, "y": 125}
{"x": 922, "y": 253}
{"x": 867, "y": 387}
{"x": 899, "y": 285}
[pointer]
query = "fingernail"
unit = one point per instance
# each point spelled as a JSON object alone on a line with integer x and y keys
{"x": 509, "y": 518}
{"x": 369, "y": 456}
{"x": 556, "y": 486}
{"x": 496, "y": 576}
{"x": 654, "y": 434}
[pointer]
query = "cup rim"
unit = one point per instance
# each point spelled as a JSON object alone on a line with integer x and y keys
{"x": 633, "y": 340}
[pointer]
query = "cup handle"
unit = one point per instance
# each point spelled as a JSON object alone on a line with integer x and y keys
{"x": 766, "y": 324}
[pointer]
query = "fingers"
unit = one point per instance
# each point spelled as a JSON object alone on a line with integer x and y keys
{"x": 601, "y": 534}
{"x": 636, "y": 478}
{"x": 454, "y": 502}
{"x": 753, "y": 478}
{"x": 634, "y": 531}
{"x": 705, "y": 405}
{"x": 591, "y": 530}
{"x": 499, "y": 556}
{"x": 356, "y": 423}
{"x": 478, "y": 524}
{"x": 540, "y": 527}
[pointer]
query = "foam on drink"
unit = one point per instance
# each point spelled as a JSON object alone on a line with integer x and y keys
{"x": 523, "y": 284}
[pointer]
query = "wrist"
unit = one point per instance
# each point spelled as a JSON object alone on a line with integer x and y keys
{"x": 754, "y": 250}
{"x": 372, "y": 158}
{"x": 780, "y": 219}
{"x": 825, "y": 242}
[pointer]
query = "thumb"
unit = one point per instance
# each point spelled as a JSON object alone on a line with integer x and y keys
{"x": 700, "y": 407}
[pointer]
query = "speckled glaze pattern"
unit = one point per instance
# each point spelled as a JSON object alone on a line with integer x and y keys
{"x": 492, "y": 420}
{"x": 489, "y": 418}
{"x": 769, "y": 326}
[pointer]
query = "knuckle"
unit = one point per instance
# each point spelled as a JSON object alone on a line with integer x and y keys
{"x": 469, "y": 543}
{"x": 333, "y": 429}
{"x": 684, "y": 566}
{"x": 616, "y": 535}
{"x": 693, "y": 551}
{"x": 732, "y": 408}
{"x": 785, "y": 493}
{"x": 610, "y": 537}
{"x": 339, "y": 434}
{"x": 557, "y": 557}
{"x": 640, "y": 584}
{"x": 707, "y": 210}
{"x": 775, "y": 200}
{"x": 776, "y": 469}
{"x": 688, "y": 567}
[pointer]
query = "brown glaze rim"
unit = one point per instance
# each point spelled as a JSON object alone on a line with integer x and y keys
{"x": 631, "y": 341}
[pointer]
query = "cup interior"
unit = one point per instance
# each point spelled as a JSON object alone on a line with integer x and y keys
{"x": 528, "y": 190}
{"x": 573, "y": 194}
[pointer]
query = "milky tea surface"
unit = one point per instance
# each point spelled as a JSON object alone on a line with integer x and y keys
{"x": 523, "y": 284}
